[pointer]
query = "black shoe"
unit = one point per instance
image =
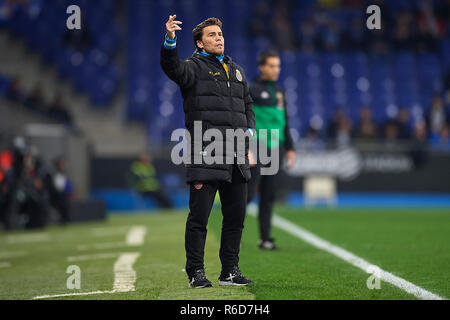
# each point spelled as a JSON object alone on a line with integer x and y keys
{"x": 199, "y": 280}
{"x": 233, "y": 277}
{"x": 268, "y": 245}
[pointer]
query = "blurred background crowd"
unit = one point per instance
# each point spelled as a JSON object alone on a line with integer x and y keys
{"x": 342, "y": 79}
{"x": 32, "y": 193}
{"x": 334, "y": 25}
{"x": 346, "y": 85}
{"x": 412, "y": 43}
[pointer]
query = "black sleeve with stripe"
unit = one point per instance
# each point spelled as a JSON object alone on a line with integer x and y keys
{"x": 182, "y": 72}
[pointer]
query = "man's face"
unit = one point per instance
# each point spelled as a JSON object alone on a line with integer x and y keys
{"x": 61, "y": 165}
{"x": 212, "y": 41}
{"x": 271, "y": 69}
{"x": 145, "y": 158}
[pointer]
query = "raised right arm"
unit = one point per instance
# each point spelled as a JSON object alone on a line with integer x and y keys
{"x": 182, "y": 72}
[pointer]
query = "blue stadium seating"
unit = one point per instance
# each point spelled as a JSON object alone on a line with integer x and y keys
{"x": 4, "y": 85}
{"x": 43, "y": 25}
{"x": 318, "y": 83}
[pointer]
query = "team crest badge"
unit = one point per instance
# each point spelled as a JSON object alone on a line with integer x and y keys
{"x": 198, "y": 186}
{"x": 238, "y": 75}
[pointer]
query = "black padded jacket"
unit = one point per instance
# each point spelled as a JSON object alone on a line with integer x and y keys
{"x": 218, "y": 101}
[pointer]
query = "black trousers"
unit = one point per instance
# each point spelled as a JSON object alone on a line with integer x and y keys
{"x": 233, "y": 197}
{"x": 37, "y": 213}
{"x": 61, "y": 202}
{"x": 267, "y": 187}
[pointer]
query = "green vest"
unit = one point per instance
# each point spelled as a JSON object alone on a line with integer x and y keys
{"x": 144, "y": 177}
{"x": 269, "y": 117}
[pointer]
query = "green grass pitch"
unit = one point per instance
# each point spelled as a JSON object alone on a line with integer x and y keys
{"x": 413, "y": 244}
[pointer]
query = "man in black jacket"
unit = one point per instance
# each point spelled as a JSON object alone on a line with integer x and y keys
{"x": 270, "y": 114}
{"x": 215, "y": 92}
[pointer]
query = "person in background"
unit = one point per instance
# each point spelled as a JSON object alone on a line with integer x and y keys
{"x": 32, "y": 196}
{"x": 367, "y": 130}
{"x": 257, "y": 25}
{"x": 403, "y": 38}
{"x": 391, "y": 134}
{"x": 344, "y": 133}
{"x": 36, "y": 101}
{"x": 270, "y": 113}
{"x": 430, "y": 28}
{"x": 282, "y": 32}
{"x": 308, "y": 37}
{"x": 446, "y": 82}
{"x": 437, "y": 117}
{"x": 6, "y": 159}
{"x": 4, "y": 197}
{"x": 60, "y": 189}
{"x": 313, "y": 140}
{"x": 143, "y": 179}
{"x": 331, "y": 37}
{"x": 403, "y": 123}
{"x": 12, "y": 180}
{"x": 419, "y": 147}
{"x": 15, "y": 92}
{"x": 339, "y": 130}
{"x": 333, "y": 123}
{"x": 58, "y": 111}
{"x": 355, "y": 38}
{"x": 442, "y": 140}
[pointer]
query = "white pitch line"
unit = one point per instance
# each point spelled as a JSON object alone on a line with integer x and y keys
{"x": 92, "y": 257}
{"x": 124, "y": 278}
{"x": 72, "y": 294}
{"x": 136, "y": 236}
{"x": 5, "y": 264}
{"x": 7, "y": 255}
{"x": 28, "y": 237}
{"x": 351, "y": 258}
{"x": 124, "y": 274}
{"x": 102, "y": 245}
{"x": 109, "y": 231}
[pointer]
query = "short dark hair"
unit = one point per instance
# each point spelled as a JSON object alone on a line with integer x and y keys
{"x": 197, "y": 33}
{"x": 262, "y": 58}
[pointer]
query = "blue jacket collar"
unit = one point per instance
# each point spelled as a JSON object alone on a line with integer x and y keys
{"x": 225, "y": 58}
{"x": 205, "y": 54}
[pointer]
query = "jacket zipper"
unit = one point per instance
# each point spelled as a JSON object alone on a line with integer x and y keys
{"x": 231, "y": 100}
{"x": 232, "y": 122}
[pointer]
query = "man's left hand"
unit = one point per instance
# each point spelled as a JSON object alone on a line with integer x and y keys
{"x": 291, "y": 158}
